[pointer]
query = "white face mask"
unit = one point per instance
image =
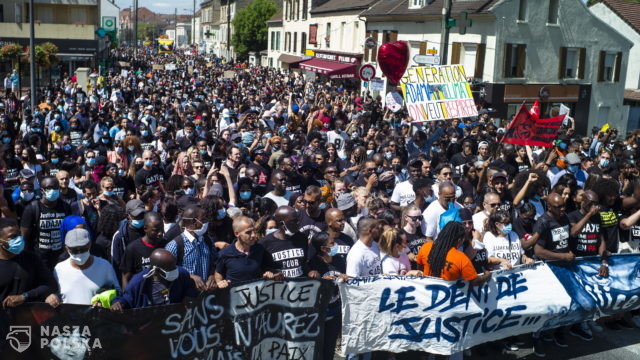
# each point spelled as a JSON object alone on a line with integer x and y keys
{"x": 405, "y": 250}
{"x": 287, "y": 231}
{"x": 79, "y": 259}
{"x": 202, "y": 230}
{"x": 271, "y": 231}
{"x": 169, "y": 275}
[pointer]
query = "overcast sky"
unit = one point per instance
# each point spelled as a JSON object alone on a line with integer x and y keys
{"x": 161, "y": 6}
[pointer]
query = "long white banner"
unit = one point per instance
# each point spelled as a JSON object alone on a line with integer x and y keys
{"x": 397, "y": 314}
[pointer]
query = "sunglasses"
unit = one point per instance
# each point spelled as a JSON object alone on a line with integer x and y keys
{"x": 415, "y": 218}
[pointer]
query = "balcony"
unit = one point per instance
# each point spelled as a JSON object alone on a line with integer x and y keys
{"x": 49, "y": 31}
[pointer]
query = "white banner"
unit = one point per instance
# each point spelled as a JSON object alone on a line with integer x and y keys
{"x": 444, "y": 317}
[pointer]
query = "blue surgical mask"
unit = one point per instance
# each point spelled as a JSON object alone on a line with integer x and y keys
{"x": 203, "y": 152}
{"x": 55, "y": 161}
{"x": 333, "y": 250}
{"x": 388, "y": 155}
{"x": 27, "y": 195}
{"x": 271, "y": 231}
{"x": 6, "y": 140}
{"x": 604, "y": 163}
{"x": 148, "y": 163}
{"x": 109, "y": 193}
{"x": 507, "y": 229}
{"x": 120, "y": 172}
{"x": 52, "y": 194}
{"x": 573, "y": 168}
{"x": 189, "y": 191}
{"x": 91, "y": 161}
{"x": 322, "y": 206}
{"x": 221, "y": 214}
{"x": 57, "y": 128}
{"x": 119, "y": 150}
{"x": 15, "y": 245}
{"x": 86, "y": 142}
{"x": 199, "y": 127}
{"x": 245, "y": 195}
{"x": 138, "y": 224}
{"x": 105, "y": 141}
{"x": 144, "y": 132}
{"x": 67, "y": 147}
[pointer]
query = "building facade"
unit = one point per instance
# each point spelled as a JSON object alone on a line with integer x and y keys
{"x": 519, "y": 51}
{"x": 625, "y": 18}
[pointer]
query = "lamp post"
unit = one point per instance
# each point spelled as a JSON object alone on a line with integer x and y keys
{"x": 32, "y": 59}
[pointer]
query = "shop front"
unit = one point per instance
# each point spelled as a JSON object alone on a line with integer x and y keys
{"x": 336, "y": 66}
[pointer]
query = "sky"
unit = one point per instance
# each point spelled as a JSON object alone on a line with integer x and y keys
{"x": 161, "y": 6}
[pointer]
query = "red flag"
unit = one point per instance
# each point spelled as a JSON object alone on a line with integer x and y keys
{"x": 535, "y": 110}
{"x": 524, "y": 129}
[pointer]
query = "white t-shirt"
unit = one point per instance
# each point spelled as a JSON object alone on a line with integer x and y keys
{"x": 431, "y": 224}
{"x": 403, "y": 193}
{"x": 395, "y": 266}
{"x": 279, "y": 200}
{"x": 338, "y": 139}
{"x": 79, "y": 286}
{"x": 503, "y": 248}
{"x": 478, "y": 221}
{"x": 363, "y": 260}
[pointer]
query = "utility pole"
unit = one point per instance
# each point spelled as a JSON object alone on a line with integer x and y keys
{"x": 135, "y": 30}
{"x": 228, "y": 30}
{"x": 444, "y": 32}
{"x": 175, "y": 30}
{"x": 32, "y": 59}
{"x": 193, "y": 26}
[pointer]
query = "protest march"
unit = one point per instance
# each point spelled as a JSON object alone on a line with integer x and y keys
{"x": 188, "y": 208}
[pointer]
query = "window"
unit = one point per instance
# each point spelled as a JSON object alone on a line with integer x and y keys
{"x": 287, "y": 35}
{"x": 341, "y": 38}
{"x": 1, "y": 13}
{"x": 553, "y": 12}
{"x": 371, "y": 54}
{"x": 305, "y": 9}
{"x": 273, "y": 40}
{"x": 522, "y": 10}
{"x": 295, "y": 42}
{"x": 303, "y": 42}
{"x": 278, "y": 41}
{"x": 313, "y": 34}
{"x": 572, "y": 63}
{"x": 609, "y": 66}
{"x": 514, "y": 60}
{"x": 296, "y": 10}
{"x": 78, "y": 15}
{"x": 416, "y": 4}
{"x": 270, "y": 62}
{"x": 389, "y": 36}
{"x": 327, "y": 34}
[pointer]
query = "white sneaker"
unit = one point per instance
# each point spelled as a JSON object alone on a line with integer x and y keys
{"x": 585, "y": 327}
{"x": 636, "y": 320}
{"x": 595, "y": 327}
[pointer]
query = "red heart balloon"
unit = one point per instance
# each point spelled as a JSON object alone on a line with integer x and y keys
{"x": 393, "y": 59}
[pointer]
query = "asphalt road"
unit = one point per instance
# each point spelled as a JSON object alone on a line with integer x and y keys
{"x": 609, "y": 345}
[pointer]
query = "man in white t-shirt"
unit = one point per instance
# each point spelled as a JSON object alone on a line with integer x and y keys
{"x": 280, "y": 195}
{"x": 445, "y": 173}
{"x": 431, "y": 224}
{"x": 490, "y": 202}
{"x": 403, "y": 193}
{"x": 338, "y": 137}
{"x": 363, "y": 258}
{"x": 82, "y": 275}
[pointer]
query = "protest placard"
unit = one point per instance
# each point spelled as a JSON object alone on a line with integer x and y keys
{"x": 377, "y": 84}
{"x": 157, "y": 67}
{"x": 437, "y": 93}
{"x": 170, "y": 66}
{"x": 396, "y": 314}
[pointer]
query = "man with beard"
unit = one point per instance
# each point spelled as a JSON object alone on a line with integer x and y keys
{"x": 311, "y": 220}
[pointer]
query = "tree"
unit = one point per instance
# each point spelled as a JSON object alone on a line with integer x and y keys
{"x": 250, "y": 27}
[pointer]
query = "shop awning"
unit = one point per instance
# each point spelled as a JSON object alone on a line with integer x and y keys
{"x": 289, "y": 59}
{"x": 334, "y": 70}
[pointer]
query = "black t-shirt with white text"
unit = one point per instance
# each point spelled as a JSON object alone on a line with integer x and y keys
{"x": 587, "y": 241}
{"x": 148, "y": 178}
{"x": 554, "y": 235}
{"x": 45, "y": 230}
{"x": 289, "y": 255}
{"x": 136, "y": 257}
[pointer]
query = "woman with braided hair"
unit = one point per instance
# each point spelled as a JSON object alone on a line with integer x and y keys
{"x": 441, "y": 258}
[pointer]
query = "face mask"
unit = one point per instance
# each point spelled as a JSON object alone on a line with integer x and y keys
{"x": 198, "y": 127}
{"x": 435, "y": 149}
{"x": 55, "y": 161}
{"x": 221, "y": 214}
{"x": 79, "y": 259}
{"x": 322, "y": 206}
{"x": 245, "y": 195}
{"x": 148, "y": 163}
{"x": 573, "y": 169}
{"x": 52, "y": 194}
{"x": 67, "y": 147}
{"x": 144, "y": 132}
{"x": 604, "y": 163}
{"x": 86, "y": 142}
{"x": 507, "y": 229}
{"x": 189, "y": 191}
{"x": 369, "y": 152}
{"x": 27, "y": 195}
{"x": 57, "y": 128}
{"x": 202, "y": 230}
{"x": 470, "y": 206}
{"x": 388, "y": 155}
{"x": 15, "y": 245}
{"x": 333, "y": 250}
{"x": 169, "y": 275}
{"x": 109, "y": 193}
{"x": 405, "y": 250}
{"x": 271, "y": 231}
{"x": 105, "y": 141}
{"x": 203, "y": 152}
{"x": 138, "y": 224}
{"x": 120, "y": 172}
{"x": 57, "y": 117}
{"x": 454, "y": 140}
{"x": 119, "y": 150}
{"x": 131, "y": 148}
{"x": 429, "y": 199}
{"x": 287, "y": 231}
{"x": 91, "y": 161}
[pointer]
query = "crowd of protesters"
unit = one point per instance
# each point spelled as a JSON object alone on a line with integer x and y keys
{"x": 149, "y": 186}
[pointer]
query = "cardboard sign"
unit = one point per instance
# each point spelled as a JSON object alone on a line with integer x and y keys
{"x": 394, "y": 101}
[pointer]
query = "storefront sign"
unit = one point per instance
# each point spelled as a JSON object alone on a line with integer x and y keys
{"x": 339, "y": 58}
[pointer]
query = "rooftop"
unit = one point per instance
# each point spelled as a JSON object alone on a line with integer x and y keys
{"x": 401, "y": 8}
{"x": 627, "y": 11}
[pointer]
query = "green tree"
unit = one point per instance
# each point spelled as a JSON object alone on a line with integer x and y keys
{"x": 250, "y": 27}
